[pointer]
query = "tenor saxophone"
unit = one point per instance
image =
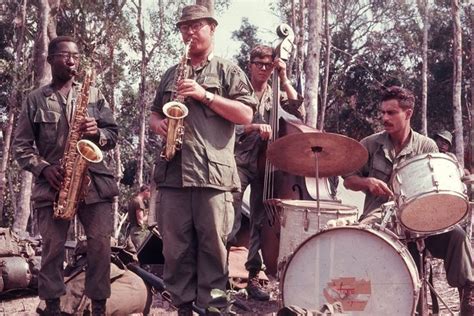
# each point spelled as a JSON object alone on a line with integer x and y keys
{"x": 176, "y": 111}
{"x": 77, "y": 155}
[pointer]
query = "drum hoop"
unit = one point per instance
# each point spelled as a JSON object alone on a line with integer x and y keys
{"x": 413, "y": 159}
{"x": 345, "y": 207}
{"x": 402, "y": 251}
{"x": 399, "y": 211}
{"x": 432, "y": 192}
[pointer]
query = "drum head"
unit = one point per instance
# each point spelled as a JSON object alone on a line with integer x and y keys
{"x": 367, "y": 271}
{"x": 433, "y": 212}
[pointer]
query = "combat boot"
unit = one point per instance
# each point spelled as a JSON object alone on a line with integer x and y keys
{"x": 53, "y": 307}
{"x": 467, "y": 301}
{"x": 98, "y": 307}
{"x": 185, "y": 309}
{"x": 254, "y": 289}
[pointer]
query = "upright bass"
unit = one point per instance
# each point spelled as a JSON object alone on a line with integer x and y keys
{"x": 279, "y": 184}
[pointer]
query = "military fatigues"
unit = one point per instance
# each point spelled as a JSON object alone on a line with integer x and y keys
{"x": 194, "y": 200}
{"x": 454, "y": 246}
{"x": 247, "y": 148}
{"x": 137, "y": 232}
{"x": 40, "y": 140}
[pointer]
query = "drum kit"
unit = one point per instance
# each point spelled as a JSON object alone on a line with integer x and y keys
{"x": 367, "y": 268}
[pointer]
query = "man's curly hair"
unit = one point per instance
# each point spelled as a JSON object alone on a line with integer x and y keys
{"x": 405, "y": 97}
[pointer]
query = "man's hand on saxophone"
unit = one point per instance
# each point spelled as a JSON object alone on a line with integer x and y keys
{"x": 190, "y": 88}
{"x": 89, "y": 127}
{"x": 158, "y": 124}
{"x": 53, "y": 175}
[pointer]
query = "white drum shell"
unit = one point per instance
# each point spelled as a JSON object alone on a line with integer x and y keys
{"x": 368, "y": 271}
{"x": 430, "y": 195}
{"x": 300, "y": 220}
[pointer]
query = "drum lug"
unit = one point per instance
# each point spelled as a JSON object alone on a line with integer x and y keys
{"x": 283, "y": 219}
{"x": 397, "y": 176}
{"x": 430, "y": 164}
{"x": 306, "y": 220}
{"x": 435, "y": 183}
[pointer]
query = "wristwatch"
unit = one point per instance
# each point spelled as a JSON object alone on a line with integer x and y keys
{"x": 208, "y": 98}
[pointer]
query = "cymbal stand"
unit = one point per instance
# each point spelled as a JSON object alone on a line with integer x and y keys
{"x": 316, "y": 150}
{"x": 421, "y": 247}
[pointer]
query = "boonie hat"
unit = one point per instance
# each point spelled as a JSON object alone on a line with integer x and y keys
{"x": 195, "y": 12}
{"x": 447, "y": 136}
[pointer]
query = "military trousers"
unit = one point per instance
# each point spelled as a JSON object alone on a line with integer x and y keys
{"x": 454, "y": 247}
{"x": 257, "y": 218}
{"x": 97, "y": 221}
{"x": 194, "y": 224}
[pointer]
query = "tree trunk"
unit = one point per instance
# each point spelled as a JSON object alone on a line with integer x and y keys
{"x": 300, "y": 48}
{"x": 141, "y": 97}
{"x": 327, "y": 60}
{"x": 291, "y": 60}
{"x": 424, "y": 12}
{"x": 457, "y": 77}
{"x": 209, "y": 4}
{"x": 24, "y": 202}
{"x": 12, "y": 106}
{"x": 116, "y": 151}
{"x": 312, "y": 68}
{"x": 471, "y": 13}
{"x": 42, "y": 72}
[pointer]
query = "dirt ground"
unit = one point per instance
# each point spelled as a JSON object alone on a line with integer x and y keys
{"x": 26, "y": 305}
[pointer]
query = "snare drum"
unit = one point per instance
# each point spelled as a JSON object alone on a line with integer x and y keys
{"x": 300, "y": 220}
{"x": 370, "y": 272}
{"x": 430, "y": 196}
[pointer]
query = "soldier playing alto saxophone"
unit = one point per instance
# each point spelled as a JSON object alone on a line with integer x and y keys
{"x": 195, "y": 202}
{"x": 39, "y": 145}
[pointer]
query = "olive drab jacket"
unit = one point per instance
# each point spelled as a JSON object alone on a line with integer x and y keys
{"x": 207, "y": 155}
{"x": 41, "y": 138}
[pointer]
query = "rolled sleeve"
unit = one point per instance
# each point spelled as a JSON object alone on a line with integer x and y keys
{"x": 294, "y": 107}
{"x": 240, "y": 89}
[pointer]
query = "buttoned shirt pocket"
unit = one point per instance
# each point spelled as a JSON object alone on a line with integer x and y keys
{"x": 220, "y": 168}
{"x": 160, "y": 171}
{"x": 381, "y": 169}
{"x": 42, "y": 191}
{"x": 213, "y": 85}
{"x": 46, "y": 123}
{"x": 105, "y": 184}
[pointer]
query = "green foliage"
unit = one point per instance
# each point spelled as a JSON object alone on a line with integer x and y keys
{"x": 247, "y": 34}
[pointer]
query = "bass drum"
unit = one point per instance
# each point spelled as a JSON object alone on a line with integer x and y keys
{"x": 368, "y": 271}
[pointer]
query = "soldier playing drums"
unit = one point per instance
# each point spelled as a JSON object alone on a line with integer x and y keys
{"x": 397, "y": 143}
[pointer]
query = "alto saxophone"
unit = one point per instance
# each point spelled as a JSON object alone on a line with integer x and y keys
{"x": 176, "y": 111}
{"x": 77, "y": 154}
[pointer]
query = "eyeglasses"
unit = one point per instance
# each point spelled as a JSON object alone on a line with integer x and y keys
{"x": 67, "y": 56}
{"x": 260, "y": 65}
{"x": 195, "y": 27}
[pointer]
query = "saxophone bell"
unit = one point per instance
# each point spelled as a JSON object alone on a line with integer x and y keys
{"x": 175, "y": 112}
{"x": 89, "y": 151}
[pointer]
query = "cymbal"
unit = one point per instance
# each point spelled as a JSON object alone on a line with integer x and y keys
{"x": 337, "y": 154}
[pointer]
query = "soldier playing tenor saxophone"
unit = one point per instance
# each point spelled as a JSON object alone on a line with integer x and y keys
{"x": 40, "y": 141}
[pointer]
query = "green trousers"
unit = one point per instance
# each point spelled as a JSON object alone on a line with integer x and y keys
{"x": 195, "y": 224}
